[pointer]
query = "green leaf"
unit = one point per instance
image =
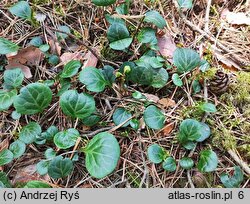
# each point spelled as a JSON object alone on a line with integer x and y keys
{"x": 108, "y": 73}
{"x": 66, "y": 139}
{"x": 189, "y": 145}
{"x": 204, "y": 131}
{"x": 50, "y": 133}
{"x": 91, "y": 120}
{"x": 7, "y": 46}
{"x": 22, "y": 10}
{"x": 33, "y": 98}
{"x": 196, "y": 86}
{"x": 204, "y": 65}
{"x": 134, "y": 123}
{"x": 15, "y": 115}
{"x": 169, "y": 164}
{"x": 50, "y": 153}
{"x": 141, "y": 75}
{"x": 208, "y": 107}
{"x": 44, "y": 48}
{"x": 6, "y": 99}
{"x": 53, "y": 60}
{"x": 93, "y": 79}
{"x": 186, "y": 163}
{"x": 122, "y": 9}
{"x": 121, "y": 115}
{"x": 153, "y": 117}
{"x": 160, "y": 78}
{"x": 4, "y": 180}
{"x": 155, "y": 153}
{"x": 42, "y": 167}
{"x": 36, "y": 41}
{"x": 6, "y": 156}
{"x": 189, "y": 130}
{"x": 65, "y": 85}
{"x": 29, "y": 133}
{"x": 60, "y": 167}
{"x": 177, "y": 80}
{"x": 62, "y": 36}
{"x": 147, "y": 35}
{"x": 37, "y": 184}
{"x": 103, "y": 2}
{"x": 186, "y": 59}
{"x": 102, "y": 155}
{"x": 17, "y": 148}
{"x": 155, "y": 18}
{"x": 185, "y": 4}
{"x": 119, "y": 37}
{"x": 77, "y": 105}
{"x": 208, "y": 161}
{"x": 13, "y": 78}
{"x": 112, "y": 20}
{"x": 71, "y": 69}
{"x": 233, "y": 181}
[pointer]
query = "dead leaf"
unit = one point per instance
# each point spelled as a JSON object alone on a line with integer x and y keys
{"x": 55, "y": 47}
{"x": 168, "y": 129}
{"x": 25, "y": 69}
{"x": 91, "y": 60}
{"x": 239, "y": 18}
{"x": 167, "y": 46}
{"x": 167, "y": 102}
{"x": 152, "y": 97}
{"x": 4, "y": 144}
{"x": 28, "y": 173}
{"x": 68, "y": 56}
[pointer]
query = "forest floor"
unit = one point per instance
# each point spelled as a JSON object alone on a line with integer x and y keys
{"x": 214, "y": 31}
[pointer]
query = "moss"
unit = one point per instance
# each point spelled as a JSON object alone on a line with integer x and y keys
{"x": 223, "y": 137}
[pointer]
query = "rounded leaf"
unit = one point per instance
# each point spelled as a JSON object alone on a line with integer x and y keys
{"x": 153, "y": 117}
{"x": 60, "y": 167}
{"x": 169, "y": 164}
{"x": 33, "y": 98}
{"x": 91, "y": 120}
{"x": 6, "y": 99}
{"x": 77, "y": 105}
{"x": 186, "y": 163}
{"x": 50, "y": 153}
{"x": 37, "y": 184}
{"x": 7, "y": 46}
{"x": 208, "y": 107}
{"x": 186, "y": 59}
{"x": 155, "y": 18}
{"x": 155, "y": 153}
{"x": 103, "y": 2}
{"x": 6, "y": 156}
{"x": 233, "y": 181}
{"x": 177, "y": 80}
{"x": 121, "y": 115}
{"x": 208, "y": 161}
{"x": 29, "y": 133}
{"x": 42, "y": 167}
{"x": 205, "y": 132}
{"x": 185, "y": 4}
{"x": 71, "y": 69}
{"x": 102, "y": 155}
{"x": 22, "y": 10}
{"x": 17, "y": 148}
{"x": 13, "y": 78}
{"x": 93, "y": 79}
{"x": 66, "y": 139}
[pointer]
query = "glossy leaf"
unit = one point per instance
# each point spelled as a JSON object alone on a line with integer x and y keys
{"x": 4, "y": 180}
{"x": 60, "y": 167}
{"x": 141, "y": 75}
{"x": 50, "y": 133}
{"x": 103, "y": 2}
{"x": 62, "y": 36}
{"x": 36, "y": 41}
{"x": 22, "y": 10}
{"x": 108, "y": 73}
{"x": 17, "y": 148}
{"x": 155, "y": 18}
{"x": 44, "y": 48}
{"x": 15, "y": 115}
{"x": 33, "y": 98}
{"x": 102, "y": 155}
{"x": 50, "y": 153}
{"x": 155, "y": 153}
{"x": 77, "y": 105}
{"x": 71, "y": 69}
{"x": 186, "y": 163}
{"x": 13, "y": 78}
{"x": 185, "y": 3}
{"x": 169, "y": 164}
{"x": 7, "y": 46}
{"x": 93, "y": 78}
{"x": 91, "y": 120}
{"x": 153, "y": 117}
{"x": 42, "y": 167}
{"x": 119, "y": 37}
{"x": 6, "y": 99}
{"x": 147, "y": 35}
{"x": 233, "y": 181}
{"x": 29, "y": 133}
{"x": 205, "y": 132}
{"x": 160, "y": 78}
{"x": 208, "y": 107}
{"x": 208, "y": 161}
{"x": 177, "y": 80}
{"x": 186, "y": 59}
{"x": 66, "y": 139}
{"x": 37, "y": 184}
{"x": 121, "y": 115}
{"x": 6, "y": 156}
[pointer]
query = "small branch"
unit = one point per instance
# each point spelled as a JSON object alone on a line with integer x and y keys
{"x": 209, "y": 3}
